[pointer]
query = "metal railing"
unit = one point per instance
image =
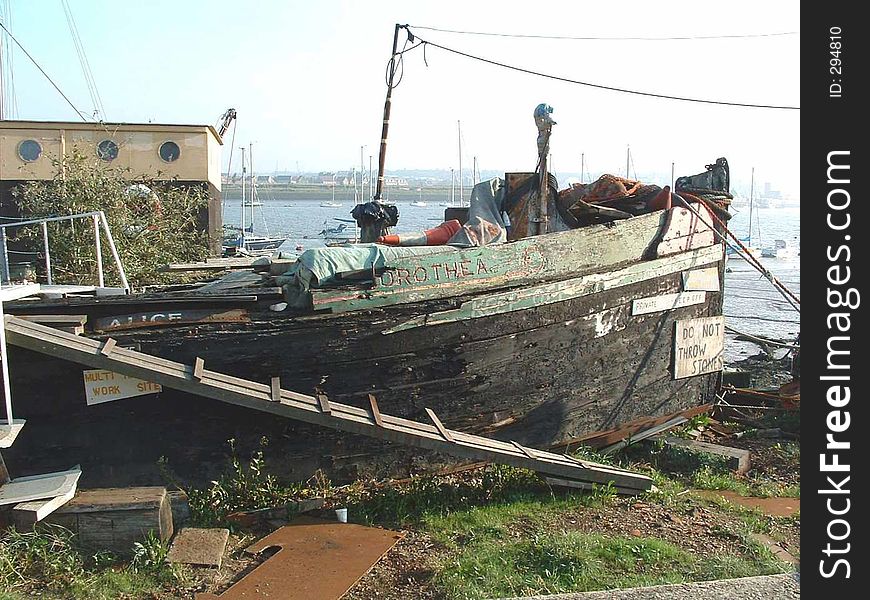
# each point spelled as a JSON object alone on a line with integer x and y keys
{"x": 99, "y": 220}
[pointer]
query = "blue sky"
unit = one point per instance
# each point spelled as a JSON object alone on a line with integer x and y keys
{"x": 307, "y": 79}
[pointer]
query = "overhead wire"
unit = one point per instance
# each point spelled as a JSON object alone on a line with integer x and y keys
{"x": 612, "y": 38}
{"x": 41, "y": 70}
{"x": 602, "y": 86}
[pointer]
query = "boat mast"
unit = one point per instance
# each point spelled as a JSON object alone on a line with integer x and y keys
{"x": 253, "y": 182}
{"x": 582, "y": 165}
{"x": 627, "y": 159}
{"x": 452, "y": 187}
{"x": 244, "y": 172}
{"x": 459, "y": 136}
{"x": 382, "y": 156}
{"x": 751, "y": 191}
{"x": 362, "y": 183}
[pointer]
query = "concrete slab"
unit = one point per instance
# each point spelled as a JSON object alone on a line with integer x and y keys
{"x": 204, "y": 547}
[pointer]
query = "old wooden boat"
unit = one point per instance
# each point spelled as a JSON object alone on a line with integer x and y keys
{"x": 547, "y": 340}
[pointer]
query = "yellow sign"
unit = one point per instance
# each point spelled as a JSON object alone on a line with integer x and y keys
{"x": 106, "y": 386}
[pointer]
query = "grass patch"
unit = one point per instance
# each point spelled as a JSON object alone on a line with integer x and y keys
{"x": 49, "y": 561}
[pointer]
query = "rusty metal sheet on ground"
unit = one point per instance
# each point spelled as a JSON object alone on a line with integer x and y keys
{"x": 193, "y": 546}
{"x": 316, "y": 560}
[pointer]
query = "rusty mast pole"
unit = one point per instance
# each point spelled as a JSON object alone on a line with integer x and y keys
{"x": 382, "y": 157}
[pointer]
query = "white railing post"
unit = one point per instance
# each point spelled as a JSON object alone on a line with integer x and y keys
{"x": 7, "y": 390}
{"x": 4, "y": 263}
{"x": 47, "y": 252}
{"x": 99, "y": 249}
{"x": 114, "y": 250}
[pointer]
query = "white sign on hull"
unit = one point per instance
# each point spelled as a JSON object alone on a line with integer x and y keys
{"x": 698, "y": 346}
{"x": 105, "y": 386}
{"x": 706, "y": 280}
{"x": 643, "y": 306}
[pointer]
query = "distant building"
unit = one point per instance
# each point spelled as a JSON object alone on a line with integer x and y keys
{"x": 185, "y": 155}
{"x": 391, "y": 181}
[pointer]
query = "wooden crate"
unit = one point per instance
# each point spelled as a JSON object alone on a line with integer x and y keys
{"x": 114, "y": 518}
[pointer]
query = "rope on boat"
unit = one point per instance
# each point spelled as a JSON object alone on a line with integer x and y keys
{"x": 740, "y": 248}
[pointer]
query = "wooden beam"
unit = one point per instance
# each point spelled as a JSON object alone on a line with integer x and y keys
{"x": 198, "y": 368}
{"x": 343, "y": 417}
{"x": 376, "y": 413}
{"x": 323, "y": 402}
{"x": 108, "y": 347}
{"x": 438, "y": 425}
{"x": 276, "y": 389}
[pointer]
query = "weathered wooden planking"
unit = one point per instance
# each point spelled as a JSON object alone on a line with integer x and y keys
{"x": 170, "y": 317}
{"x": 698, "y": 346}
{"x": 559, "y": 291}
{"x": 305, "y": 408}
{"x": 737, "y": 459}
{"x": 603, "y": 368}
{"x": 539, "y": 258}
{"x": 686, "y": 231}
{"x": 114, "y": 519}
{"x": 651, "y": 304}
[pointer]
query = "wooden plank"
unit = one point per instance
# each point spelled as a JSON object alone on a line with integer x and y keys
{"x": 698, "y": 346}
{"x": 642, "y": 435}
{"x": 686, "y": 231}
{"x": 276, "y": 389}
{"x": 737, "y": 459}
{"x": 523, "y": 449}
{"x": 323, "y": 401}
{"x": 651, "y": 304}
{"x": 376, "y": 413}
{"x": 26, "y": 514}
{"x": 18, "y": 291}
{"x": 65, "y": 320}
{"x": 199, "y": 367}
{"x": 108, "y": 347}
{"x": 438, "y": 425}
{"x": 582, "y": 485}
{"x": 214, "y": 264}
{"x": 530, "y": 260}
{"x": 342, "y": 417}
{"x": 181, "y": 316}
{"x": 550, "y": 293}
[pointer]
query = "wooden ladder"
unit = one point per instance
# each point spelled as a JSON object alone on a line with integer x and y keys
{"x": 318, "y": 410}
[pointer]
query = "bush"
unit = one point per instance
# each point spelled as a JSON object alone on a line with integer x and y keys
{"x": 153, "y": 223}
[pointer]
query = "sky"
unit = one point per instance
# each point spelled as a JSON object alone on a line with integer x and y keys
{"x": 308, "y": 80}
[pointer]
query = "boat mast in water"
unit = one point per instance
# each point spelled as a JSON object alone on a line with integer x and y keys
{"x": 459, "y": 137}
{"x": 242, "y": 222}
{"x": 751, "y": 192}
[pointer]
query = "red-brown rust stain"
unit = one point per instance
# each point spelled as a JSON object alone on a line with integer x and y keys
{"x": 316, "y": 560}
{"x": 774, "y": 507}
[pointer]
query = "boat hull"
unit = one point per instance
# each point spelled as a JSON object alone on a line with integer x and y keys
{"x": 562, "y": 360}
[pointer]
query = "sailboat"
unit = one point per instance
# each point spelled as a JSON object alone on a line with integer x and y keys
{"x": 755, "y": 251}
{"x": 246, "y": 241}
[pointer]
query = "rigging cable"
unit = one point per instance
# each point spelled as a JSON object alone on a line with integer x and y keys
{"x": 612, "y": 39}
{"x": 601, "y": 86}
{"x": 83, "y": 61}
{"x": 41, "y": 70}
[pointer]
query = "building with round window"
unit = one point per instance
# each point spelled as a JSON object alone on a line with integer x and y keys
{"x": 185, "y": 155}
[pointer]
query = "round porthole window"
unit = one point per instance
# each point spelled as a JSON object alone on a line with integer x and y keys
{"x": 169, "y": 151}
{"x": 107, "y": 150}
{"x": 29, "y": 150}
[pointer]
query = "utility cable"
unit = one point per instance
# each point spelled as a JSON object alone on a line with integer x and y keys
{"x": 601, "y": 86}
{"x": 41, "y": 70}
{"x": 612, "y": 39}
